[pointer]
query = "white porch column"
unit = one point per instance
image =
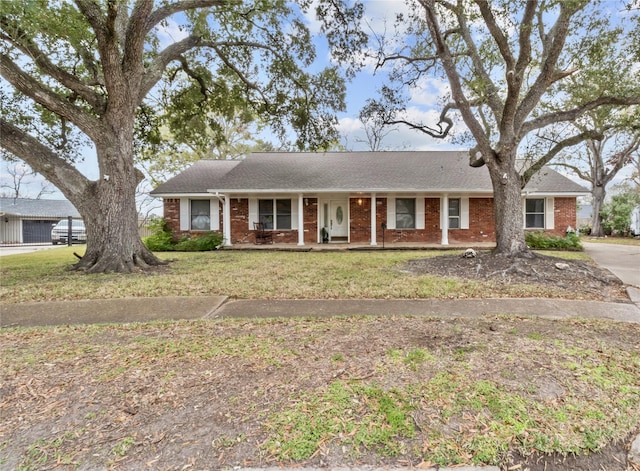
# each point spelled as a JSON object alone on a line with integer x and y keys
{"x": 444, "y": 219}
{"x": 374, "y": 222}
{"x": 300, "y": 219}
{"x": 226, "y": 220}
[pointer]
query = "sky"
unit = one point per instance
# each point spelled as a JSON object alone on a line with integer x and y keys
{"x": 423, "y": 105}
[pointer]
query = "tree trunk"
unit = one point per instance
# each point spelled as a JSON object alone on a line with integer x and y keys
{"x": 507, "y": 206}
{"x": 598, "y": 193}
{"x": 108, "y": 208}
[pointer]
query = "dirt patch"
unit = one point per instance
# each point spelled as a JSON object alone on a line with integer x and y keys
{"x": 555, "y": 276}
{"x": 222, "y": 393}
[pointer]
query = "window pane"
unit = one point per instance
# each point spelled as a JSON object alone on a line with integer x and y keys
{"x": 200, "y": 217}
{"x": 405, "y": 213}
{"x": 454, "y": 223}
{"x": 535, "y": 205}
{"x": 454, "y": 207}
{"x": 283, "y": 214}
{"x": 265, "y": 213}
{"x": 535, "y": 221}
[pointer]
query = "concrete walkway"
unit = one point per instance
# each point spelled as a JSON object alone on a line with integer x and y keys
{"x": 200, "y": 307}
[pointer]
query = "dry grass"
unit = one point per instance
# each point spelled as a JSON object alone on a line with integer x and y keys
{"x": 44, "y": 276}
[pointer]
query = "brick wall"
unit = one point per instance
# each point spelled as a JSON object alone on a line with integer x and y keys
{"x": 564, "y": 215}
{"x": 481, "y": 222}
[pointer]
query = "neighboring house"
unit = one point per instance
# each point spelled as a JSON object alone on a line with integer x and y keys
{"x": 28, "y": 221}
{"x": 352, "y": 197}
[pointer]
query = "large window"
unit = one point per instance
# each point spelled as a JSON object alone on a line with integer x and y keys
{"x": 200, "y": 215}
{"x": 405, "y": 213}
{"x": 275, "y": 214}
{"x": 534, "y": 213}
{"x": 454, "y": 213}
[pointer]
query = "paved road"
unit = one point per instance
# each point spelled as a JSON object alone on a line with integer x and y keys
{"x": 622, "y": 260}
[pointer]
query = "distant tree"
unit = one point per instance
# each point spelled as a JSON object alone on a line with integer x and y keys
{"x": 603, "y": 159}
{"x": 616, "y": 213}
{"x": 18, "y": 181}
{"x": 85, "y": 71}
{"x": 505, "y": 62}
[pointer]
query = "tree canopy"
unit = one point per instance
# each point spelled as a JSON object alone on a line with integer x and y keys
{"x": 506, "y": 63}
{"x": 104, "y": 72}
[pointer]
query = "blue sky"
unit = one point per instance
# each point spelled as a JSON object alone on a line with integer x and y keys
{"x": 423, "y": 105}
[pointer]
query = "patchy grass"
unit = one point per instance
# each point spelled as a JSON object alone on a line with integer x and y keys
{"x": 43, "y": 276}
{"x": 316, "y": 392}
{"x": 612, "y": 240}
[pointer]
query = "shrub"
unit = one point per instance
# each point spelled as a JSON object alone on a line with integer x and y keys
{"x": 207, "y": 241}
{"x": 540, "y": 240}
{"x": 161, "y": 239}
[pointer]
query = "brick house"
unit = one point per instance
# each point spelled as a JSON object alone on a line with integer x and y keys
{"x": 351, "y": 197}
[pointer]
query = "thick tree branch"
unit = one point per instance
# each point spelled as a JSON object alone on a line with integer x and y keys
{"x": 42, "y": 95}
{"x": 135, "y": 35}
{"x": 574, "y": 113}
{"x": 455, "y": 81}
{"x": 21, "y": 41}
{"x": 560, "y": 146}
{"x": 553, "y": 44}
{"x": 42, "y": 159}
{"x": 169, "y": 9}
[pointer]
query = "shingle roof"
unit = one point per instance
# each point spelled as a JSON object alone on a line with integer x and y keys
{"x": 200, "y": 177}
{"x": 38, "y": 208}
{"x": 350, "y": 171}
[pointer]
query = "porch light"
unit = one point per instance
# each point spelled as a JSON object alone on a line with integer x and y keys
{"x": 359, "y": 201}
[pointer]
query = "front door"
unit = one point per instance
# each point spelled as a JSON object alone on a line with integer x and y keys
{"x": 338, "y": 220}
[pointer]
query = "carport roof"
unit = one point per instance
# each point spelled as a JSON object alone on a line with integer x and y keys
{"x": 26, "y": 207}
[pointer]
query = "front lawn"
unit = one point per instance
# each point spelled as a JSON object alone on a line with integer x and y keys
{"x": 44, "y": 276}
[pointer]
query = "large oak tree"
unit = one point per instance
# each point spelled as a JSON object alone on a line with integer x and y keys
{"x": 505, "y": 62}
{"x": 94, "y": 71}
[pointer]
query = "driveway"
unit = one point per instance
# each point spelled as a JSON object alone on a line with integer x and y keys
{"x": 622, "y": 260}
{"x": 20, "y": 249}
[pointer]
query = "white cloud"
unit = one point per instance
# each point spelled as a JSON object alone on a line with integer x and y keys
{"x": 170, "y": 32}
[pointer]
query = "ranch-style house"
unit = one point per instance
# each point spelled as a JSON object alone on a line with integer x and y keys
{"x": 355, "y": 198}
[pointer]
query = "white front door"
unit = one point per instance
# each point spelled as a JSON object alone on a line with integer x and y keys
{"x": 338, "y": 219}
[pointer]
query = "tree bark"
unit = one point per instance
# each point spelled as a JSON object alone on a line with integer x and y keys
{"x": 108, "y": 207}
{"x": 598, "y": 194}
{"x": 507, "y": 206}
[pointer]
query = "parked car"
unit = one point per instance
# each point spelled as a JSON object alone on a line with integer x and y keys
{"x": 60, "y": 232}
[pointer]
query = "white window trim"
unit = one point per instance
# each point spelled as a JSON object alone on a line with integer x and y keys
{"x": 418, "y": 216}
{"x": 254, "y": 212}
{"x": 464, "y": 211}
{"x": 549, "y": 212}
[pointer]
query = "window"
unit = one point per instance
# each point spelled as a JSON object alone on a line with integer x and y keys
{"x": 534, "y": 213}
{"x": 405, "y": 213}
{"x": 454, "y": 213}
{"x": 200, "y": 215}
{"x": 275, "y": 214}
